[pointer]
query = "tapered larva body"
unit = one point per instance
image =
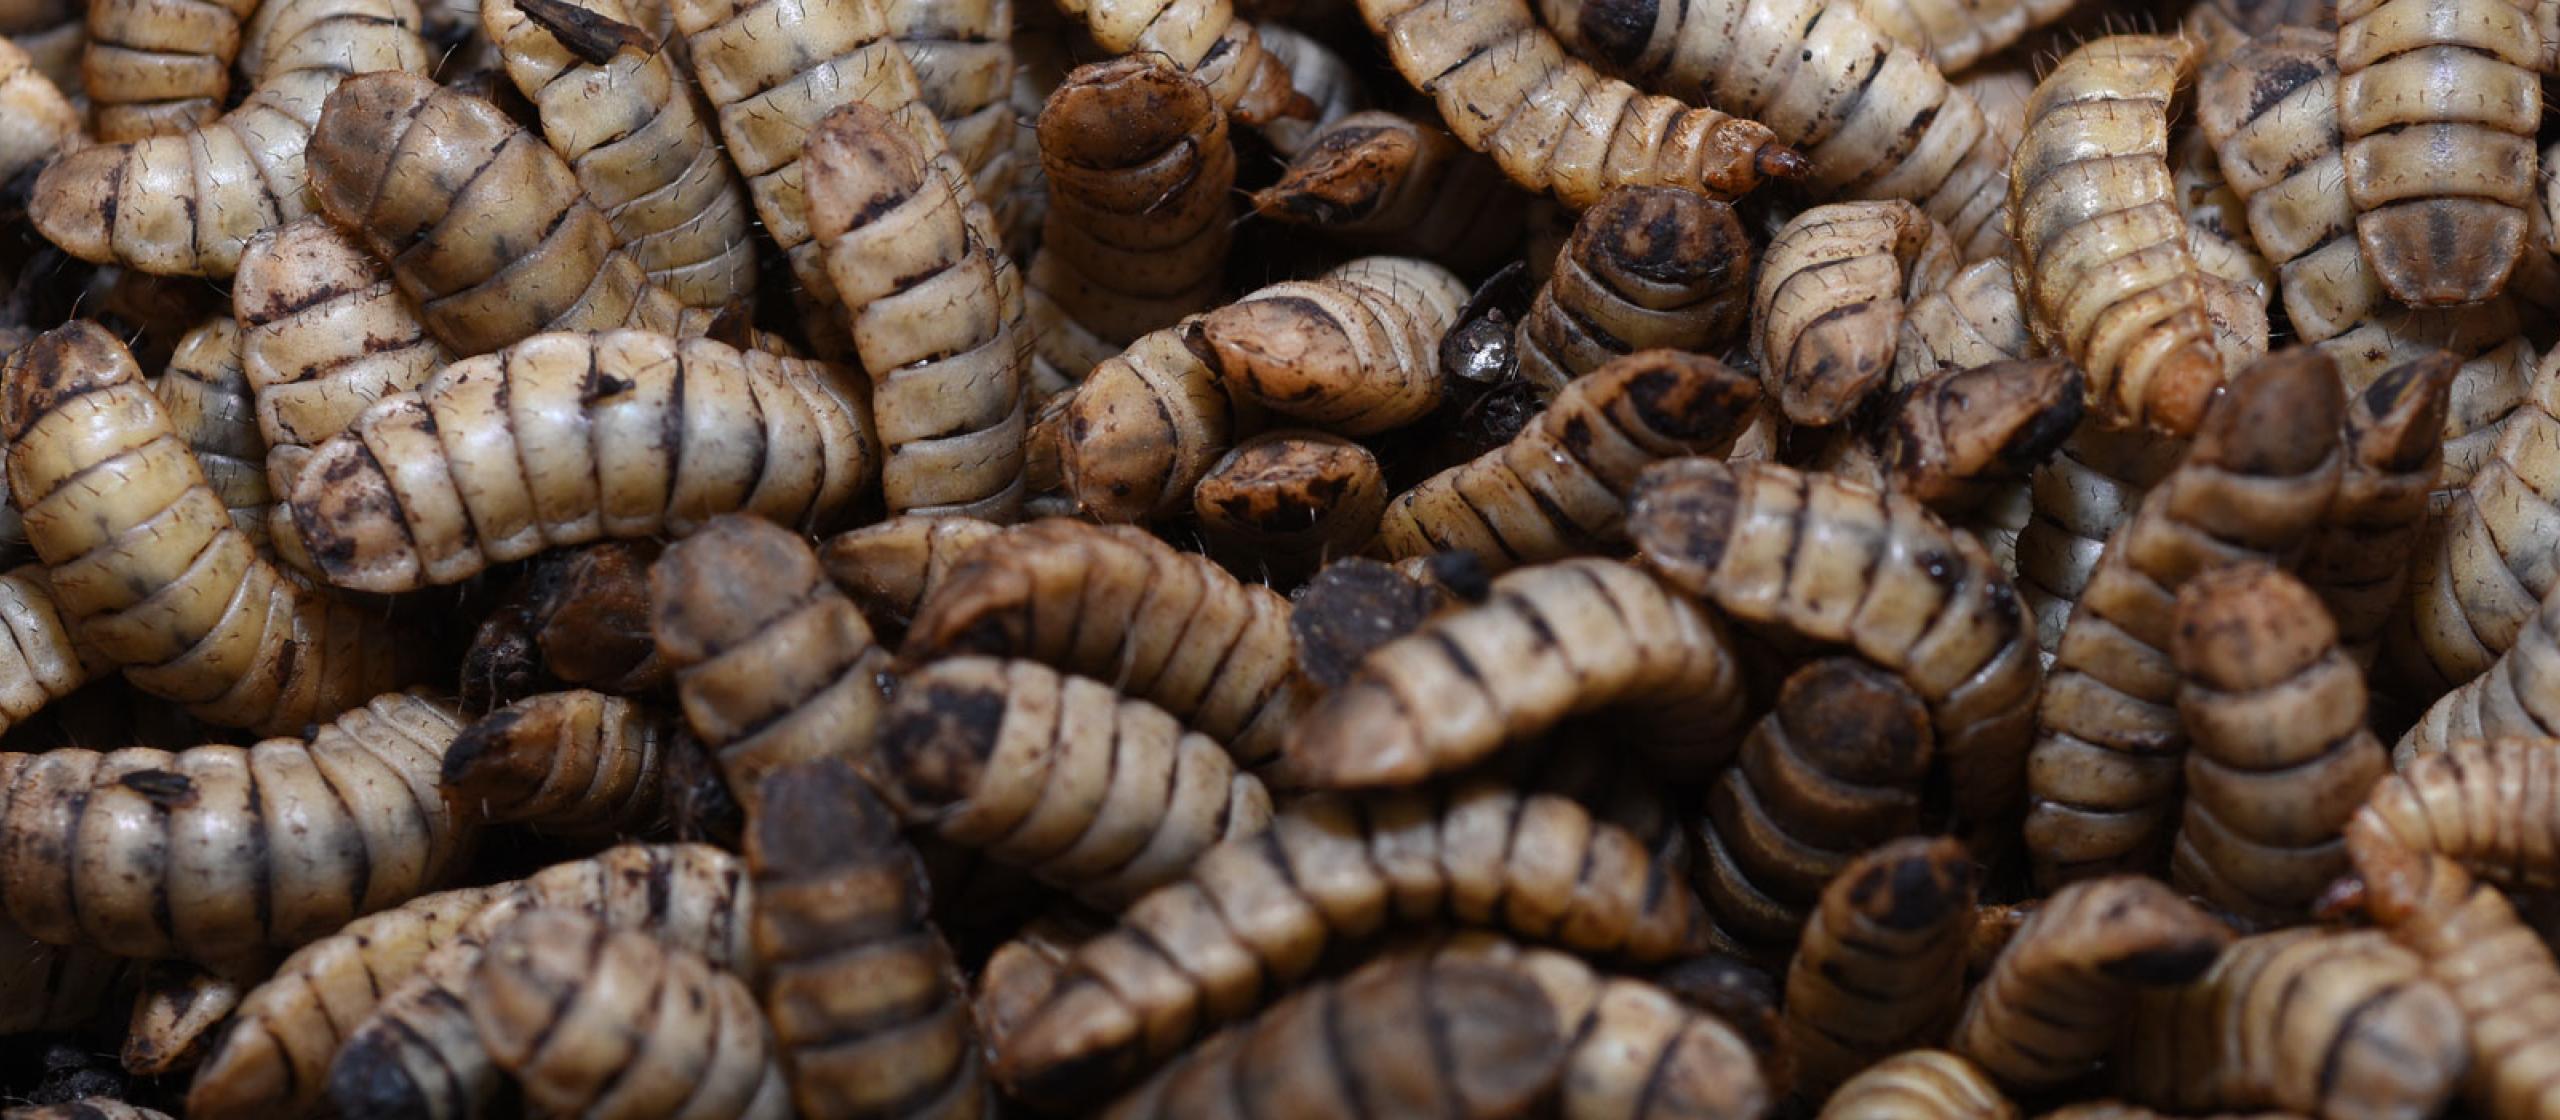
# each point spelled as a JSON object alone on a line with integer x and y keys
{"x": 1194, "y": 954}
{"x": 2486, "y": 805}
{"x": 1577, "y": 636}
{"x": 1879, "y": 969}
{"x": 576, "y": 763}
{"x": 187, "y": 203}
{"x": 2079, "y": 498}
{"x": 1645, "y": 268}
{"x": 2497, "y": 969}
{"x": 772, "y": 664}
{"x": 433, "y": 183}
{"x": 1560, "y": 487}
{"x": 2311, "y": 1021}
{"x": 1962, "y": 436}
{"x": 417, "y": 1053}
{"x": 1506, "y": 87}
{"x": 642, "y": 152}
{"x": 221, "y": 854}
{"x": 1457, "y": 1038}
{"x": 1875, "y": 119}
{"x": 1974, "y": 319}
{"x": 2103, "y": 261}
{"x": 273, "y": 1060}
{"x": 602, "y": 1022}
{"x": 635, "y": 434}
{"x": 2438, "y": 101}
{"x": 2487, "y": 560}
{"x": 1833, "y": 561}
{"x": 963, "y": 54}
{"x": 1144, "y": 427}
{"x": 935, "y": 311}
{"x": 864, "y": 998}
{"x": 1121, "y": 606}
{"x": 1956, "y": 35}
{"x": 2104, "y": 771}
{"x": 151, "y": 569}
{"x": 2359, "y": 561}
{"x": 2055, "y": 999}
{"x": 1388, "y": 183}
{"x": 323, "y": 333}
{"x": 1318, "y": 73}
{"x": 1828, "y": 309}
{"x": 1104, "y": 796}
{"x": 2280, "y": 754}
{"x": 890, "y": 568}
{"x": 1140, "y": 209}
{"x": 1354, "y": 351}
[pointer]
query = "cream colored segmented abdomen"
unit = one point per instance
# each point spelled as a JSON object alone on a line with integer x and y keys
{"x": 1354, "y": 351}
{"x": 1827, "y": 313}
{"x": 221, "y": 854}
{"x": 962, "y": 53}
{"x": 1956, "y": 34}
{"x": 2438, "y": 101}
{"x": 1874, "y": 118}
{"x": 153, "y": 572}
{"x": 644, "y": 155}
{"x": 186, "y": 204}
{"x": 271, "y": 1060}
{"x": 207, "y": 397}
{"x": 1143, "y": 428}
{"x": 564, "y": 439}
{"x": 1507, "y": 88}
{"x": 2102, "y": 240}
{"x": 1879, "y": 966}
{"x": 1972, "y": 320}
{"x": 1920, "y": 1085}
{"x": 45, "y": 659}
{"x": 1203, "y": 37}
{"x": 155, "y": 67}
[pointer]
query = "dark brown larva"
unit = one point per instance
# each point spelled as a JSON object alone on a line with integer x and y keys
{"x": 575, "y": 763}
{"x": 1880, "y": 968}
{"x": 1282, "y": 503}
{"x": 1645, "y": 268}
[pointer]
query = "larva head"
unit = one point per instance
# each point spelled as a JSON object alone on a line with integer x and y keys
{"x": 943, "y": 728}
{"x": 293, "y": 267}
{"x": 2281, "y": 417}
{"x": 2395, "y": 882}
{"x": 512, "y": 755}
{"x": 2397, "y": 423}
{"x": 889, "y": 567}
{"x": 857, "y": 165}
{"x": 1856, "y": 722}
{"x": 73, "y": 203}
{"x": 1992, "y": 422}
{"x": 1908, "y": 885}
{"x": 1352, "y": 169}
{"x": 1121, "y": 112}
{"x": 1680, "y": 518}
{"x": 72, "y": 360}
{"x": 2249, "y": 626}
{"x": 726, "y": 582}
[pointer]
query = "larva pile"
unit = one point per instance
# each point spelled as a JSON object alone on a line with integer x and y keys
{"x": 1279, "y": 559}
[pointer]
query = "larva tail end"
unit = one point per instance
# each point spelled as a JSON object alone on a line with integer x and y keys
{"x": 2442, "y": 252}
{"x": 73, "y": 202}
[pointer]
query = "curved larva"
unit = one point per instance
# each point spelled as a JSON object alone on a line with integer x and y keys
{"x": 1143, "y": 428}
{"x": 1874, "y": 119}
{"x": 2490, "y": 555}
{"x": 37, "y": 122}
{"x": 643, "y": 153}
{"x": 221, "y": 854}
{"x": 1203, "y": 37}
{"x": 1971, "y": 320}
{"x": 2281, "y": 755}
{"x": 271, "y": 1061}
{"x": 1920, "y": 1085}
{"x": 1194, "y": 954}
{"x": 1833, "y": 561}
{"x": 1828, "y": 309}
{"x": 574, "y": 763}
{"x": 483, "y": 226}
{"x": 2485, "y": 803}
{"x": 2079, "y": 498}
{"x": 2102, "y": 240}
{"x": 2271, "y": 110}
{"x": 2105, "y": 767}
{"x": 187, "y": 203}
{"x": 1506, "y": 87}
{"x": 1955, "y": 34}
{"x": 207, "y": 396}
{"x": 935, "y": 310}
{"x": 1354, "y": 351}
{"x": 2056, "y": 997}
{"x": 1141, "y": 179}
{"x": 1645, "y": 268}
{"x": 2438, "y": 101}
{"x": 1119, "y": 605}
{"x": 596, "y": 1021}
{"x": 1577, "y": 636}
{"x": 1320, "y": 75}
{"x": 153, "y": 572}
{"x": 153, "y": 67}
{"x": 323, "y": 333}
{"x": 635, "y": 435}
{"x": 44, "y": 658}
{"x": 2316, "y": 1022}
{"x": 2359, "y": 560}
{"x": 2496, "y": 967}
{"x": 1560, "y": 487}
